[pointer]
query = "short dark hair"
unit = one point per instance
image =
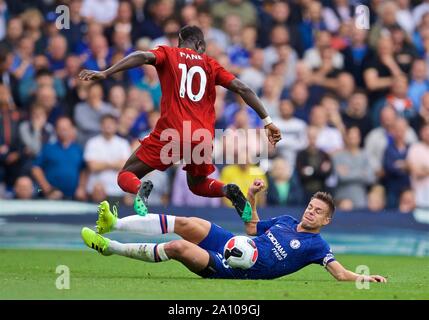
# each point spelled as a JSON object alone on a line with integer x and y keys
{"x": 191, "y": 33}
{"x": 327, "y": 198}
{"x": 108, "y": 116}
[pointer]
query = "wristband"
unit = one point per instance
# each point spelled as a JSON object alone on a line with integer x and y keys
{"x": 267, "y": 121}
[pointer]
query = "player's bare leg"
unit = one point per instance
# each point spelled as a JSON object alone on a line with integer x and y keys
{"x": 207, "y": 187}
{"x": 129, "y": 181}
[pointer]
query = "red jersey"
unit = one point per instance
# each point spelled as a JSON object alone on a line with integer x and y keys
{"x": 188, "y": 82}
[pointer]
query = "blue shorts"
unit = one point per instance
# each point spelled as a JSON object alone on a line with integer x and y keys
{"x": 214, "y": 244}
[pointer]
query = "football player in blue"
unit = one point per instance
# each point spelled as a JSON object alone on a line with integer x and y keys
{"x": 284, "y": 244}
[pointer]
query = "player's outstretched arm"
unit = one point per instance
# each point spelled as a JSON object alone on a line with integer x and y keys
{"x": 135, "y": 59}
{"x": 342, "y": 274}
{"x": 254, "y": 189}
{"x": 256, "y": 104}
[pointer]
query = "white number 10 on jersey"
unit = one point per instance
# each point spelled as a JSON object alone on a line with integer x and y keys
{"x": 186, "y": 82}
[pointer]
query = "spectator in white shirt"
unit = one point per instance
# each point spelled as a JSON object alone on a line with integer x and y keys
{"x": 294, "y": 132}
{"x": 328, "y": 139}
{"x": 100, "y": 11}
{"x": 105, "y": 155}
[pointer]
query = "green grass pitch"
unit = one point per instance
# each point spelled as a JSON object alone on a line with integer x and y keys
{"x": 30, "y": 274}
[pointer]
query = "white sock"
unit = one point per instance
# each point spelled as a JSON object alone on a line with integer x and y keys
{"x": 149, "y": 252}
{"x": 151, "y": 224}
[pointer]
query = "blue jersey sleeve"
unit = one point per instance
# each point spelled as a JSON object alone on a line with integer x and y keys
{"x": 264, "y": 225}
{"x": 323, "y": 255}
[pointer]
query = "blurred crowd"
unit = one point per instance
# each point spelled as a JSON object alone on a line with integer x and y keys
{"x": 352, "y": 103}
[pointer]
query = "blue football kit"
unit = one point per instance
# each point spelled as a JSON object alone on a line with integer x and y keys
{"x": 282, "y": 250}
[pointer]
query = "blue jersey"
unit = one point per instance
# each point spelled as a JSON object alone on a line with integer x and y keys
{"x": 282, "y": 250}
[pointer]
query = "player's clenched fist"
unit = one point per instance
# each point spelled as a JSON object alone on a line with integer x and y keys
{"x": 88, "y": 75}
{"x": 256, "y": 187}
{"x": 273, "y": 134}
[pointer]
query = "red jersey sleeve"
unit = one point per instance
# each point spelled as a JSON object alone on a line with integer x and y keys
{"x": 222, "y": 76}
{"x": 160, "y": 54}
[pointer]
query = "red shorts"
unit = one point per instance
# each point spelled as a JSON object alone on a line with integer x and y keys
{"x": 151, "y": 152}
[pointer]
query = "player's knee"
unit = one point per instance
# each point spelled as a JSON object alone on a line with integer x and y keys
{"x": 175, "y": 248}
{"x": 181, "y": 223}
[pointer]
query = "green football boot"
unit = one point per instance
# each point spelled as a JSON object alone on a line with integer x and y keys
{"x": 141, "y": 200}
{"x": 239, "y": 201}
{"x": 95, "y": 241}
{"x": 106, "y": 218}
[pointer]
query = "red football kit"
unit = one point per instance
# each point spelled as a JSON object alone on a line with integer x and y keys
{"x": 188, "y": 82}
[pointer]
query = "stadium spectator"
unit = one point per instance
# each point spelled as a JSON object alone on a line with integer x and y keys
{"x": 181, "y": 196}
{"x": 57, "y": 180}
{"x": 22, "y": 67}
{"x": 376, "y": 198}
{"x": 47, "y": 98}
{"x": 125, "y": 123}
{"x": 356, "y": 113}
{"x": 300, "y": 98}
{"x": 403, "y": 49}
{"x": 253, "y": 75}
{"x": 211, "y": 34}
{"x": 345, "y": 90}
{"x": 6, "y": 78}
{"x": 404, "y": 16}
{"x": 280, "y": 50}
{"x": 354, "y": 174}
{"x": 124, "y": 22}
{"x": 243, "y": 173}
{"x": 87, "y": 115}
{"x": 170, "y": 35}
{"x": 33, "y": 28}
{"x": 380, "y": 70}
{"x": 150, "y": 83}
{"x": 34, "y": 133}
{"x": 420, "y": 10}
{"x": 422, "y": 117}
{"x": 386, "y": 19}
{"x": 270, "y": 95}
{"x": 312, "y": 23}
{"x": 329, "y": 139}
{"x": 57, "y": 54}
{"x": 105, "y": 155}
{"x": 313, "y": 166}
{"x": 419, "y": 83}
{"x": 100, "y": 56}
{"x": 377, "y": 139}
{"x": 407, "y": 201}
{"x": 283, "y": 187}
{"x": 395, "y": 166}
{"x": 335, "y": 15}
{"x": 294, "y": 133}
{"x": 77, "y": 26}
{"x": 13, "y": 33}
{"x": 118, "y": 98}
{"x": 355, "y": 54}
{"x": 23, "y": 188}
{"x": 323, "y": 53}
{"x": 101, "y": 11}
{"x": 419, "y": 168}
{"x": 30, "y": 87}
{"x": 10, "y": 144}
{"x": 397, "y": 99}
{"x": 242, "y": 8}
{"x": 158, "y": 12}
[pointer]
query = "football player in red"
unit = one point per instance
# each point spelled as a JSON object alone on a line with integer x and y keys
{"x": 188, "y": 79}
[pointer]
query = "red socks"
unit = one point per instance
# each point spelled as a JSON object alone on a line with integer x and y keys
{"x": 209, "y": 188}
{"x": 129, "y": 182}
